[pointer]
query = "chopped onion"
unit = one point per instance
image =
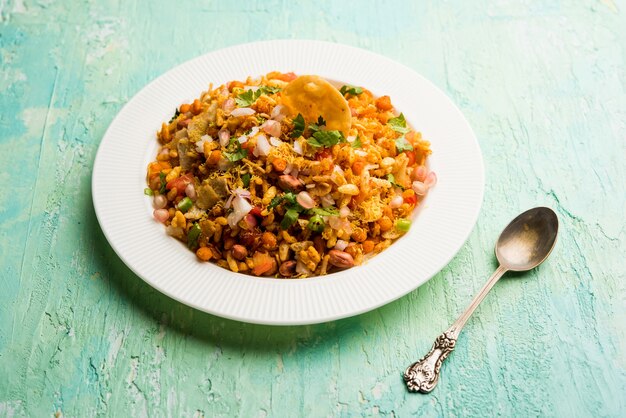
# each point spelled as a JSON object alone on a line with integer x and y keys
{"x": 301, "y": 268}
{"x": 159, "y": 202}
{"x": 305, "y": 200}
{"x": 242, "y": 139}
{"x": 288, "y": 169}
{"x": 271, "y": 127}
{"x": 370, "y": 167}
{"x": 344, "y": 212}
{"x": 338, "y": 169}
{"x": 360, "y": 153}
{"x": 228, "y": 105}
{"x": 278, "y": 113}
{"x": 190, "y": 191}
{"x": 238, "y": 192}
{"x": 253, "y": 131}
{"x": 165, "y": 152}
{"x": 341, "y": 245}
{"x": 263, "y": 147}
{"x": 224, "y": 136}
{"x": 275, "y": 141}
{"x": 351, "y": 138}
{"x": 200, "y": 143}
{"x": 327, "y": 201}
{"x": 161, "y": 215}
{"x": 297, "y": 147}
{"x": 241, "y": 208}
{"x": 242, "y": 111}
{"x": 396, "y": 202}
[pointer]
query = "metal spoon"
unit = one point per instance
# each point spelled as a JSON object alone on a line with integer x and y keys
{"x": 524, "y": 244}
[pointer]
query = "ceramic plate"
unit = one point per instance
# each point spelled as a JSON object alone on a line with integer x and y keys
{"x": 441, "y": 224}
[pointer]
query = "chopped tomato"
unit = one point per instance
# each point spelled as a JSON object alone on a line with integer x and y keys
{"x": 256, "y": 211}
{"x": 411, "y": 156}
{"x": 180, "y": 183}
{"x": 411, "y": 200}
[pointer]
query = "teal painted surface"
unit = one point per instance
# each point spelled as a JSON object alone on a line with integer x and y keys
{"x": 541, "y": 82}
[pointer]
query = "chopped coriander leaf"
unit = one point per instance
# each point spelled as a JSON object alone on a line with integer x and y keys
{"x": 247, "y": 98}
{"x": 355, "y": 91}
{"x": 298, "y": 126}
{"x": 148, "y": 191}
{"x": 192, "y": 237}
{"x": 316, "y": 223}
{"x": 163, "y": 183}
{"x": 398, "y": 124}
{"x": 403, "y": 145}
{"x": 291, "y": 216}
{"x": 246, "y": 180}
{"x": 290, "y": 197}
{"x": 329, "y": 211}
{"x": 175, "y": 115}
{"x": 356, "y": 143}
{"x": 269, "y": 89}
{"x": 275, "y": 202}
{"x": 234, "y": 151}
{"x": 326, "y": 139}
{"x": 392, "y": 179}
{"x": 315, "y": 127}
{"x": 239, "y": 154}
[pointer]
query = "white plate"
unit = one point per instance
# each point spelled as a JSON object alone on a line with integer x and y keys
{"x": 440, "y": 227}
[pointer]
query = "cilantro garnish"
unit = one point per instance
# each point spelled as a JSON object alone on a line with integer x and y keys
{"x": 235, "y": 152}
{"x": 148, "y": 191}
{"x": 398, "y": 124}
{"x": 290, "y": 218}
{"x": 403, "y": 145}
{"x": 356, "y": 143}
{"x": 353, "y": 90}
{"x": 247, "y": 98}
{"x": 246, "y": 180}
{"x": 298, "y": 126}
{"x": 163, "y": 183}
{"x": 315, "y": 127}
{"x": 293, "y": 208}
{"x": 392, "y": 179}
{"x": 175, "y": 115}
{"x": 326, "y": 139}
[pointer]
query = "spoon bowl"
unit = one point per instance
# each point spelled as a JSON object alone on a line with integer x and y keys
{"x": 528, "y": 240}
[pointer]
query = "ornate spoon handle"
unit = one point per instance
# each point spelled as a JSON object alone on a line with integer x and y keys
{"x": 423, "y": 375}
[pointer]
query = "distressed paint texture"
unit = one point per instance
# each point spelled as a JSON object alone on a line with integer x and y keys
{"x": 542, "y": 82}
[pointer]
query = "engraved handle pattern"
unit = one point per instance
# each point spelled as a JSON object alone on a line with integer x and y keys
{"x": 423, "y": 375}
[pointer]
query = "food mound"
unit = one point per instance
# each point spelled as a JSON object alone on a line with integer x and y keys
{"x": 288, "y": 176}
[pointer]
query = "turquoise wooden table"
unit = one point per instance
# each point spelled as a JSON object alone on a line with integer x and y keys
{"x": 542, "y": 82}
